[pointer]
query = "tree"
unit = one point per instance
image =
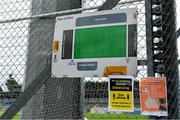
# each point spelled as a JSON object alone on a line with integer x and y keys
{"x": 13, "y": 85}
{"x": 1, "y": 90}
{"x": 1, "y": 93}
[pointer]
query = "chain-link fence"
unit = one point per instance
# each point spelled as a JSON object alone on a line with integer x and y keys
{"x": 26, "y": 37}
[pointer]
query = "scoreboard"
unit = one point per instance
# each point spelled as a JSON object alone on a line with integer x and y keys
{"x": 95, "y": 44}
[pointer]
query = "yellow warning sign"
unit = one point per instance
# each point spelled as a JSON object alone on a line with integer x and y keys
{"x": 121, "y": 93}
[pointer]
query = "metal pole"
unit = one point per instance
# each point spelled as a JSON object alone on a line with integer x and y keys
{"x": 45, "y": 104}
{"x": 149, "y": 39}
{"x": 171, "y": 56}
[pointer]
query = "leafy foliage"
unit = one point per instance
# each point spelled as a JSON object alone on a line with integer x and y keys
{"x": 14, "y": 89}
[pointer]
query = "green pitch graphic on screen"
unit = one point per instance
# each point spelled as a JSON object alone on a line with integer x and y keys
{"x": 100, "y": 42}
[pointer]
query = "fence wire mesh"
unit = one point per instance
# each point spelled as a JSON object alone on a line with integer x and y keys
{"x": 25, "y": 50}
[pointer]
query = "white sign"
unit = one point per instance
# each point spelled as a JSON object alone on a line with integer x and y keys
{"x": 91, "y": 44}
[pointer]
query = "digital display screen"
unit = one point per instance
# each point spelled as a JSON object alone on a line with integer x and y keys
{"x": 100, "y": 42}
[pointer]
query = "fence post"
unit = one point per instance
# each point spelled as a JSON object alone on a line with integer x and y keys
{"x": 171, "y": 56}
{"x": 149, "y": 39}
{"x": 166, "y": 48}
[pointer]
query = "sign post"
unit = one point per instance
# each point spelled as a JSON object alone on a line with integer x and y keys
{"x": 121, "y": 93}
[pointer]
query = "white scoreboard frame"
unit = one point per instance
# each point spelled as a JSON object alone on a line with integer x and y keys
{"x": 68, "y": 67}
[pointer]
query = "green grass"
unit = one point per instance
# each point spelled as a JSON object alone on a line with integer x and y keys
{"x": 113, "y": 116}
{"x": 16, "y": 117}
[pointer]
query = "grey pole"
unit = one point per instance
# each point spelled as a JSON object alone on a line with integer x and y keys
{"x": 149, "y": 39}
{"x": 171, "y": 57}
{"x": 40, "y": 46}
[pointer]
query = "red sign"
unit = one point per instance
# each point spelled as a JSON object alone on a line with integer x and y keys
{"x": 153, "y": 96}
